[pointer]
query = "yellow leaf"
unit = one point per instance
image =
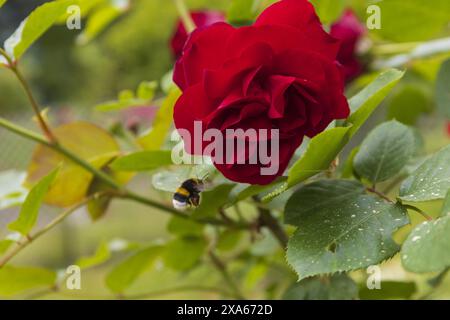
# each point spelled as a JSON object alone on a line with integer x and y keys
{"x": 88, "y": 142}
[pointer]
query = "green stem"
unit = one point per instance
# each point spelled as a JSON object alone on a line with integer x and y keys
{"x": 42, "y": 123}
{"x": 60, "y": 149}
{"x": 119, "y": 191}
{"x": 180, "y": 289}
{"x": 220, "y": 266}
{"x": 185, "y": 16}
{"x": 31, "y": 237}
{"x": 266, "y": 219}
{"x": 426, "y": 216}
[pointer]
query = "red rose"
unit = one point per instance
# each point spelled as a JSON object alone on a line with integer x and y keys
{"x": 349, "y": 30}
{"x": 280, "y": 73}
{"x": 201, "y": 19}
{"x": 448, "y": 129}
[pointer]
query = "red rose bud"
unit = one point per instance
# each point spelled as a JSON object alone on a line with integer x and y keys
{"x": 201, "y": 19}
{"x": 350, "y": 31}
{"x": 448, "y": 129}
{"x": 278, "y": 74}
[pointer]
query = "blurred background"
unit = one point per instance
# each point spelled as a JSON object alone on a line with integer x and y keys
{"x": 71, "y": 79}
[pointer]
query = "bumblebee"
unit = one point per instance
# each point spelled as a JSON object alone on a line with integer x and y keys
{"x": 188, "y": 194}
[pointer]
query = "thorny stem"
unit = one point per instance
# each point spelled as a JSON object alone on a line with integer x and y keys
{"x": 221, "y": 267}
{"x": 185, "y": 16}
{"x": 42, "y": 123}
{"x": 27, "y": 240}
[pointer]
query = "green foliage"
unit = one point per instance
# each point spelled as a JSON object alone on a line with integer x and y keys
{"x": 2, "y": 2}
{"x": 243, "y": 12}
{"x": 335, "y": 226}
{"x": 389, "y": 290}
{"x": 366, "y": 101}
{"x": 101, "y": 255}
{"x": 316, "y": 158}
{"x": 385, "y": 151}
{"x": 155, "y": 138}
{"x": 430, "y": 181}
{"x": 427, "y": 248}
{"x": 340, "y": 228}
{"x": 408, "y": 105}
{"x": 335, "y": 287}
{"x": 73, "y": 181}
{"x": 431, "y": 17}
{"x": 212, "y": 201}
{"x": 125, "y": 273}
{"x": 34, "y": 26}
{"x": 445, "y": 211}
{"x": 127, "y": 99}
{"x": 329, "y": 10}
{"x": 184, "y": 252}
{"x": 184, "y": 227}
{"x": 442, "y": 90}
{"x": 5, "y": 245}
{"x": 30, "y": 208}
{"x": 100, "y": 18}
{"x": 14, "y": 280}
{"x": 142, "y": 161}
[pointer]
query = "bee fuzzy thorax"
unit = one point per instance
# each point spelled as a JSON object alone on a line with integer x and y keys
{"x": 188, "y": 194}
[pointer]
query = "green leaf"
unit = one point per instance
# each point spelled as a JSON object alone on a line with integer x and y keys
{"x": 73, "y": 181}
{"x": 155, "y": 138}
{"x": 427, "y": 248}
{"x": 243, "y": 12}
{"x": 184, "y": 227}
{"x": 212, "y": 200}
{"x": 335, "y": 287}
{"x": 385, "y": 151}
{"x": 15, "y": 280}
{"x": 101, "y": 18}
{"x": 5, "y": 245}
{"x": 228, "y": 239}
{"x": 340, "y": 228}
{"x": 430, "y": 181}
{"x": 101, "y": 255}
{"x": 389, "y": 290}
{"x": 366, "y": 101}
{"x": 183, "y": 253}
{"x": 34, "y": 26}
{"x": 321, "y": 151}
{"x": 142, "y": 161}
{"x": 329, "y": 10}
{"x": 442, "y": 90}
{"x": 125, "y": 273}
{"x": 419, "y": 19}
{"x": 445, "y": 211}
{"x": 2, "y": 2}
{"x": 408, "y": 104}
{"x": 12, "y": 193}
{"x": 30, "y": 208}
{"x": 243, "y": 191}
{"x": 146, "y": 90}
{"x": 347, "y": 169}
